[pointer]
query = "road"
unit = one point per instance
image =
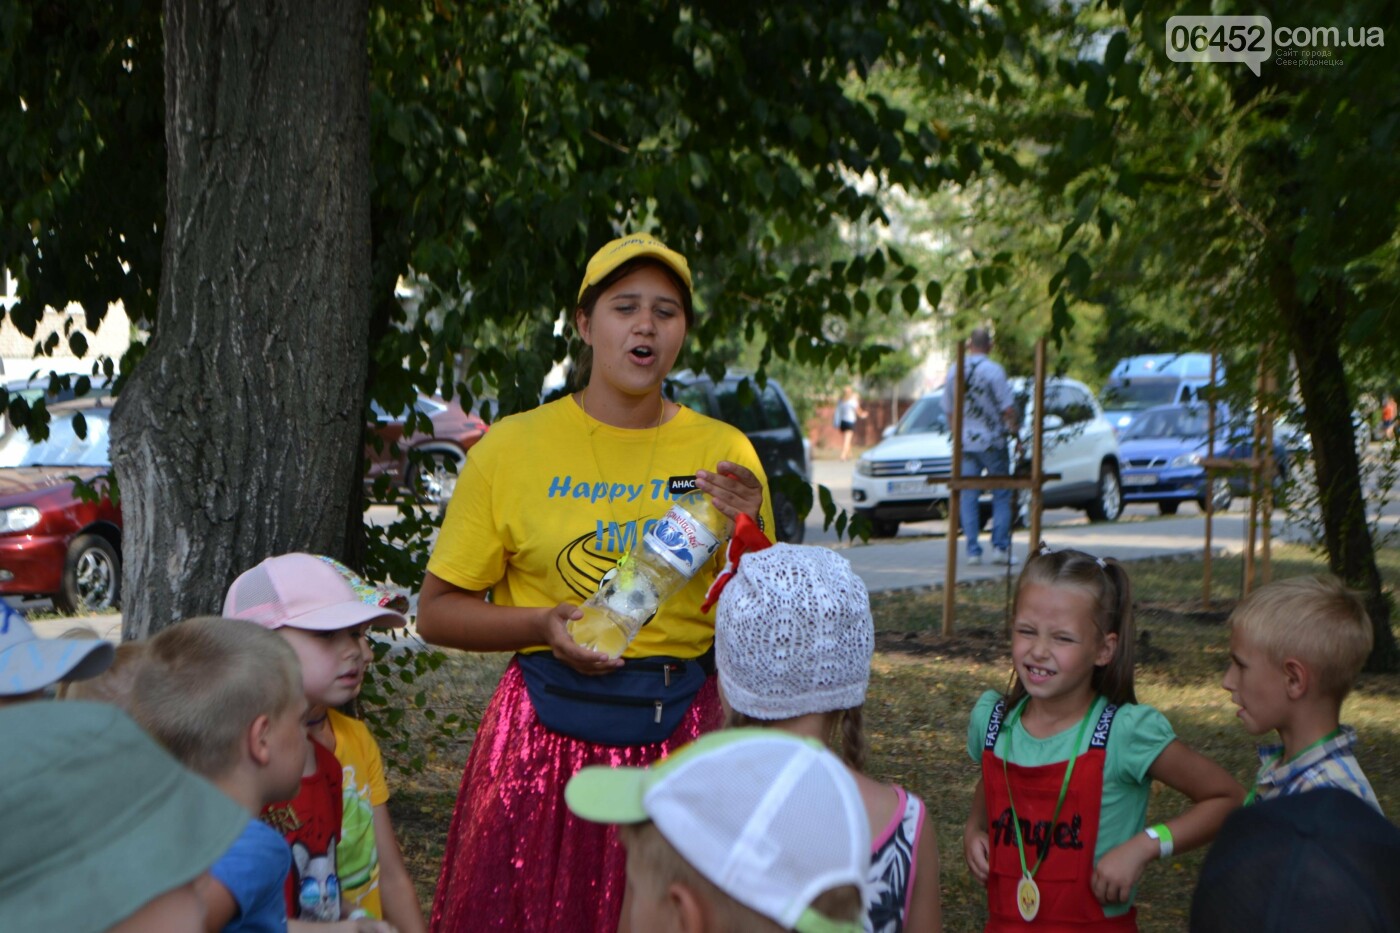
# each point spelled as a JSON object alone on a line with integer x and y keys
{"x": 836, "y": 476}
{"x": 917, "y": 557}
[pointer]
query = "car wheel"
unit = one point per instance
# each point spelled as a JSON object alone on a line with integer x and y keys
{"x": 1168, "y": 508}
{"x": 1108, "y": 504}
{"x": 1220, "y": 494}
{"x": 787, "y": 524}
{"x": 432, "y": 479}
{"x": 92, "y": 576}
{"x": 880, "y": 528}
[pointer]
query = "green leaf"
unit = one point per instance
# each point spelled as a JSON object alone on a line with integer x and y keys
{"x": 1116, "y": 52}
{"x": 1070, "y": 229}
{"x": 1129, "y": 184}
{"x": 910, "y": 297}
{"x": 1105, "y": 224}
{"x": 1096, "y": 92}
{"x": 1078, "y": 272}
{"x": 934, "y": 294}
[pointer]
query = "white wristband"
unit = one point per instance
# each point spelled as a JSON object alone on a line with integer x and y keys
{"x": 1163, "y": 837}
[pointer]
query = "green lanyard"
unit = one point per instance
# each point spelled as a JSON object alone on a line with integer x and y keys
{"x": 1254, "y": 791}
{"x": 1064, "y": 785}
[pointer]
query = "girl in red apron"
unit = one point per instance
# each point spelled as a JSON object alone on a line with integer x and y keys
{"x": 1057, "y": 831}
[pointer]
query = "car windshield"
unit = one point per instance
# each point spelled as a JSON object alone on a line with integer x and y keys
{"x": 62, "y": 447}
{"x": 1138, "y": 394}
{"x": 926, "y": 417}
{"x": 1169, "y": 422}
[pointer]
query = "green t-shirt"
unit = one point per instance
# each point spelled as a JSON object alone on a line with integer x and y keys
{"x": 1138, "y": 736}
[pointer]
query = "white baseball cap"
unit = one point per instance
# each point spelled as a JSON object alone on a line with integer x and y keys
{"x": 771, "y": 819}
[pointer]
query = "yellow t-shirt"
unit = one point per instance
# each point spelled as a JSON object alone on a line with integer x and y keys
{"x": 550, "y": 499}
{"x": 363, "y": 788}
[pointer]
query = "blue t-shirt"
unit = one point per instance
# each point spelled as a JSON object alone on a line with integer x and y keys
{"x": 254, "y": 870}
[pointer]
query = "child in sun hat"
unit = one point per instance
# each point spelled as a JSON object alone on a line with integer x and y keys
{"x": 793, "y": 642}
{"x": 100, "y": 828}
{"x": 351, "y": 865}
{"x": 741, "y": 830}
{"x": 29, "y": 665}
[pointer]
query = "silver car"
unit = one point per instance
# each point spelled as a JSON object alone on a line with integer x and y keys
{"x": 891, "y": 483}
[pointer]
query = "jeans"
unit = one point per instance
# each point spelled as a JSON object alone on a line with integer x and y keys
{"x": 975, "y": 463}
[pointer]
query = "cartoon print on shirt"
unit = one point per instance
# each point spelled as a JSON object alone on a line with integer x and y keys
{"x": 318, "y": 888}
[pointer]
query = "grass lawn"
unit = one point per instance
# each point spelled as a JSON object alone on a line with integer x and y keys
{"x": 922, "y": 689}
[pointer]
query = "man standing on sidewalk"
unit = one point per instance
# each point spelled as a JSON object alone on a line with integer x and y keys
{"x": 989, "y": 420}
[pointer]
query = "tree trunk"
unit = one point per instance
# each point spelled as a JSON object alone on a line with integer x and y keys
{"x": 1314, "y": 335}
{"x": 238, "y": 435}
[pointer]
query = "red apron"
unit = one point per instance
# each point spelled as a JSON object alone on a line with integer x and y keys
{"x": 1067, "y": 902}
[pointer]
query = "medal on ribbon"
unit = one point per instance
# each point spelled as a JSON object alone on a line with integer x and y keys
{"x": 1027, "y": 893}
{"x": 1027, "y": 898}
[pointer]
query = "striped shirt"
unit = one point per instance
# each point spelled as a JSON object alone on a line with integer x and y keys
{"x": 1328, "y": 764}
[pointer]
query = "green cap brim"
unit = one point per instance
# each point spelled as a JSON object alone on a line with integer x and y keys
{"x": 601, "y": 794}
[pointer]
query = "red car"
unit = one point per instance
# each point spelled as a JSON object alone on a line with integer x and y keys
{"x": 431, "y": 471}
{"x": 54, "y": 543}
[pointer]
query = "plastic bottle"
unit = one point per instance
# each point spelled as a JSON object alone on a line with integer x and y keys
{"x": 659, "y": 565}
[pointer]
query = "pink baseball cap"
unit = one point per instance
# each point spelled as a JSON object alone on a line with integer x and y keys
{"x": 306, "y": 591}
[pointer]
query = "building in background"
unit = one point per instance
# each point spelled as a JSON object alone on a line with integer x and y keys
{"x": 111, "y": 338}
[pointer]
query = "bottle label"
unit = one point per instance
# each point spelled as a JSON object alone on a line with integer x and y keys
{"x": 682, "y": 541}
{"x": 678, "y": 486}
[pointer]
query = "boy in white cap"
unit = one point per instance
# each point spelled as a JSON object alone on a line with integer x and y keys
{"x": 29, "y": 665}
{"x": 741, "y": 830}
{"x": 101, "y": 828}
{"x": 347, "y": 861}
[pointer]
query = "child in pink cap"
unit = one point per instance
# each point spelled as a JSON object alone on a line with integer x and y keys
{"x": 346, "y": 858}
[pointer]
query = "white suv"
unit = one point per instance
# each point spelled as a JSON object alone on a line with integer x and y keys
{"x": 891, "y": 484}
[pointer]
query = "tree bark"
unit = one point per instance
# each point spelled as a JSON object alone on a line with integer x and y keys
{"x": 1314, "y": 335}
{"x": 238, "y": 435}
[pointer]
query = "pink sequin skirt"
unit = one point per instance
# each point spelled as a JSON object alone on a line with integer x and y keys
{"x": 516, "y": 858}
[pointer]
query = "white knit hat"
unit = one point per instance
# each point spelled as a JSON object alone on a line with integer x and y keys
{"x": 793, "y": 633}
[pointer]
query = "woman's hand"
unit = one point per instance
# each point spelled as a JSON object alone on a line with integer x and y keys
{"x": 733, "y": 487}
{"x": 554, "y": 631}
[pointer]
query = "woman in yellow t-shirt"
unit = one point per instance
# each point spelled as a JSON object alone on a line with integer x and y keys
{"x": 546, "y": 504}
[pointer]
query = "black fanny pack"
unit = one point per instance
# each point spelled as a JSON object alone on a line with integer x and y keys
{"x": 640, "y": 703}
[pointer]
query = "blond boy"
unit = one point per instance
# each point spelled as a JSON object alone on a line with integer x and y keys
{"x": 741, "y": 831}
{"x": 225, "y": 698}
{"x": 1296, "y": 647}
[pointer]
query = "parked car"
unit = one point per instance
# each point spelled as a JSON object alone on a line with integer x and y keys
{"x": 767, "y": 417}
{"x": 424, "y": 463}
{"x": 54, "y": 543}
{"x": 1138, "y": 383}
{"x": 891, "y": 485}
{"x": 1163, "y": 449}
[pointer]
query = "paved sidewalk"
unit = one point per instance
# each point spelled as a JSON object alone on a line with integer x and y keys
{"x": 920, "y": 562}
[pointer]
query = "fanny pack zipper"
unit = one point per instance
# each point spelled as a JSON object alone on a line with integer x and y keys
{"x": 604, "y": 699}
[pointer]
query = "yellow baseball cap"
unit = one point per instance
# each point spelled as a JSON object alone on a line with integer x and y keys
{"x": 618, "y": 251}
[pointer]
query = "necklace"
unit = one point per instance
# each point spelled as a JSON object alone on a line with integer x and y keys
{"x": 1027, "y": 894}
{"x": 646, "y": 475}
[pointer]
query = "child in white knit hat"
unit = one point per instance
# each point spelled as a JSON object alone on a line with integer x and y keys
{"x": 793, "y": 642}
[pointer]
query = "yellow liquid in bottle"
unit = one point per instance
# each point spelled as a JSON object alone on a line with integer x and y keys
{"x": 597, "y": 632}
